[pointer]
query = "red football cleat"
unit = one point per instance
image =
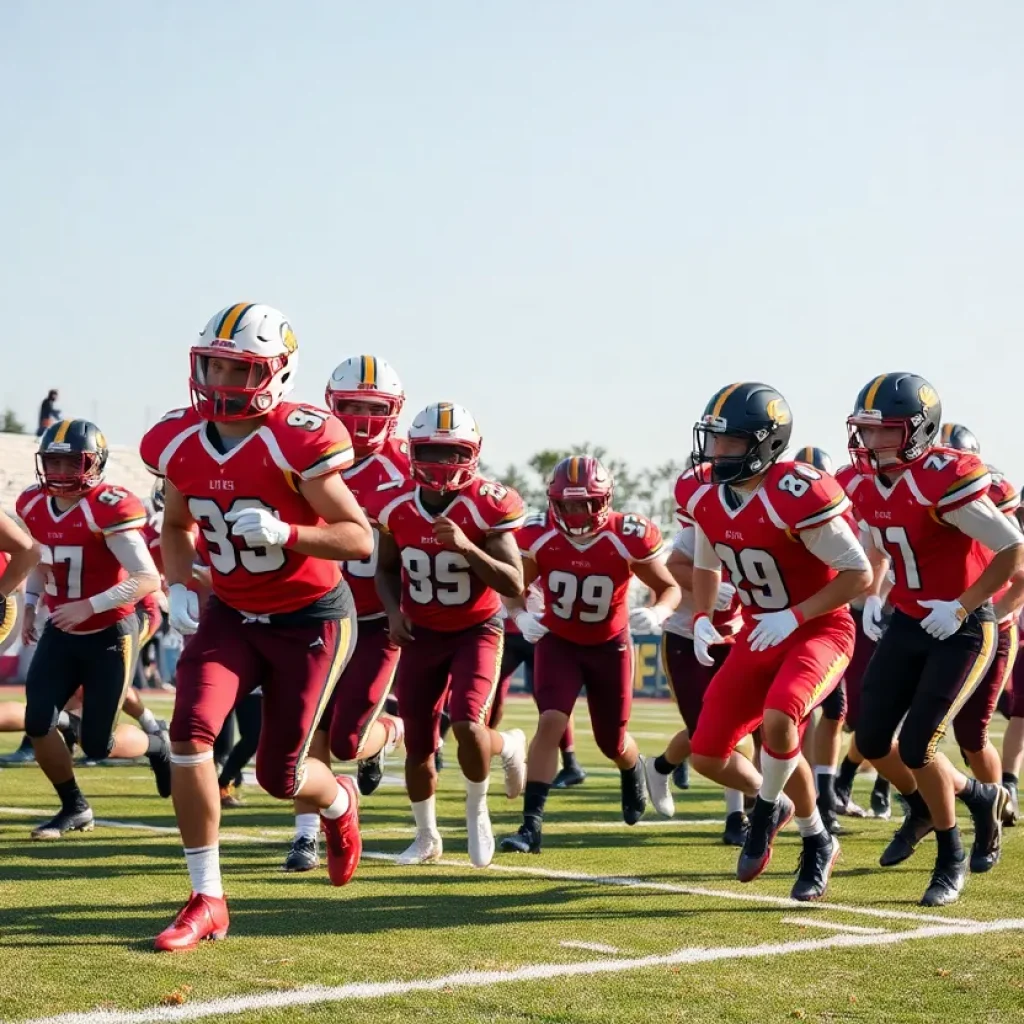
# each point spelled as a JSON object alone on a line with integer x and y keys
{"x": 344, "y": 843}
{"x": 203, "y": 917}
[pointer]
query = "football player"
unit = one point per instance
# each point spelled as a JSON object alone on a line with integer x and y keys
{"x": 261, "y": 478}
{"x": 970, "y": 727}
{"x": 95, "y": 568}
{"x": 447, "y": 551}
{"x": 688, "y": 679}
{"x": 366, "y": 395}
{"x": 949, "y": 550}
{"x": 19, "y": 555}
{"x": 584, "y": 554}
{"x": 779, "y": 530}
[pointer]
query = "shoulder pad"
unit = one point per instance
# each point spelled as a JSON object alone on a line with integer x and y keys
{"x": 803, "y": 497}
{"x": 26, "y": 498}
{"x": 313, "y": 442}
{"x": 159, "y": 436}
{"x": 1004, "y": 495}
{"x": 114, "y": 509}
{"x": 500, "y": 506}
{"x": 642, "y": 537}
{"x": 949, "y": 478}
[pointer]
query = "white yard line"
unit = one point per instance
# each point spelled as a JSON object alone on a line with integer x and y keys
{"x": 814, "y": 922}
{"x": 590, "y": 947}
{"x": 619, "y": 881}
{"x": 320, "y": 995}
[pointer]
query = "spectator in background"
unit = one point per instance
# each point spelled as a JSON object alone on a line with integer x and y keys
{"x": 48, "y": 413}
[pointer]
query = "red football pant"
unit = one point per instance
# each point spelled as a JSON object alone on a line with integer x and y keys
{"x": 297, "y": 666}
{"x": 970, "y": 727}
{"x": 793, "y": 677}
{"x": 688, "y": 680}
{"x": 460, "y": 666}
{"x": 359, "y": 697}
{"x": 562, "y": 668}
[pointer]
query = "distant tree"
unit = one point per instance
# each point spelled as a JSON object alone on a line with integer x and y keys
{"x": 10, "y": 424}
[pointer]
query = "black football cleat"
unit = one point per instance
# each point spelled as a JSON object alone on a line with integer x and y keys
{"x": 681, "y": 775}
{"x": 526, "y": 840}
{"x": 25, "y": 754}
{"x": 765, "y": 824}
{"x": 303, "y": 855}
{"x": 71, "y": 734}
{"x": 570, "y": 775}
{"x": 160, "y": 762}
{"x": 905, "y": 840}
{"x": 737, "y": 825}
{"x": 369, "y": 773}
{"x": 987, "y": 813}
{"x": 634, "y": 792}
{"x": 817, "y": 859}
{"x": 947, "y": 882}
{"x": 881, "y": 804}
{"x": 76, "y": 819}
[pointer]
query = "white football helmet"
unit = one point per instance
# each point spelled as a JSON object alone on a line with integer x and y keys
{"x": 444, "y": 447}
{"x": 257, "y": 336}
{"x": 372, "y": 384}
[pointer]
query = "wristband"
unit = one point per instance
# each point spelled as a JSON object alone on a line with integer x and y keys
{"x": 293, "y": 537}
{"x": 799, "y": 616}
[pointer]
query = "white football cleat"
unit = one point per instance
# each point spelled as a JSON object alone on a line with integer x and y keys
{"x": 659, "y": 790}
{"x": 513, "y": 761}
{"x": 481, "y": 838}
{"x": 426, "y": 848}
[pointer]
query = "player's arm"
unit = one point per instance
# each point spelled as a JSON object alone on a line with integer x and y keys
{"x": 23, "y": 551}
{"x": 981, "y": 521}
{"x": 34, "y": 587}
{"x": 707, "y": 573}
{"x": 177, "y": 538}
{"x": 498, "y": 563}
{"x": 345, "y": 533}
{"x": 516, "y": 603}
{"x": 666, "y": 591}
{"x": 388, "y": 582}
{"x": 881, "y": 579}
{"x": 835, "y": 544}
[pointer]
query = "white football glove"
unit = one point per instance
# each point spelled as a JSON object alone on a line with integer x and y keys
{"x": 726, "y": 592}
{"x": 647, "y": 620}
{"x": 258, "y": 527}
{"x": 530, "y": 626}
{"x": 183, "y": 609}
{"x": 772, "y": 628}
{"x": 944, "y": 619}
{"x": 704, "y": 636}
{"x": 871, "y": 621}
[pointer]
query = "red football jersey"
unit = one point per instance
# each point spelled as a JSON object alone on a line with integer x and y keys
{"x": 151, "y": 535}
{"x": 388, "y": 466}
{"x": 76, "y": 561}
{"x": 586, "y": 581}
{"x": 757, "y": 541}
{"x": 295, "y": 443}
{"x": 439, "y": 590}
{"x": 929, "y": 559}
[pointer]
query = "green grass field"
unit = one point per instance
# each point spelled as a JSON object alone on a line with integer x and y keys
{"x": 609, "y": 924}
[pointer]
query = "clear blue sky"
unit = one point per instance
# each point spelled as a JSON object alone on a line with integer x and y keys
{"x": 577, "y": 218}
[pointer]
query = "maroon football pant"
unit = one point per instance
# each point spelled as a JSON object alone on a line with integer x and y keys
{"x": 297, "y": 666}
{"x": 460, "y": 666}
{"x": 687, "y": 678}
{"x": 359, "y": 697}
{"x": 561, "y": 670}
{"x": 970, "y": 727}
{"x": 863, "y": 648}
{"x": 1015, "y": 690}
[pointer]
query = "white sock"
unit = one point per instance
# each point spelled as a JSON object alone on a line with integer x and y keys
{"x": 204, "y": 870}
{"x": 733, "y": 801}
{"x": 506, "y": 745}
{"x": 307, "y": 826}
{"x": 425, "y": 815}
{"x": 148, "y": 723}
{"x": 339, "y": 805}
{"x": 63, "y": 720}
{"x": 476, "y": 794}
{"x": 810, "y": 826}
{"x": 775, "y": 773}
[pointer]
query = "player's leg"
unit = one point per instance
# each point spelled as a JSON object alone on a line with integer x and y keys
{"x": 952, "y": 670}
{"x": 474, "y": 679}
{"x": 304, "y": 663}
{"x": 421, "y": 685}
{"x": 52, "y": 678}
{"x": 557, "y": 682}
{"x": 106, "y": 675}
{"x": 215, "y": 661}
{"x": 608, "y": 678}
{"x": 825, "y": 743}
{"x": 1013, "y": 739}
{"x": 815, "y": 659}
{"x": 513, "y": 654}
{"x": 970, "y": 727}
{"x": 249, "y": 715}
